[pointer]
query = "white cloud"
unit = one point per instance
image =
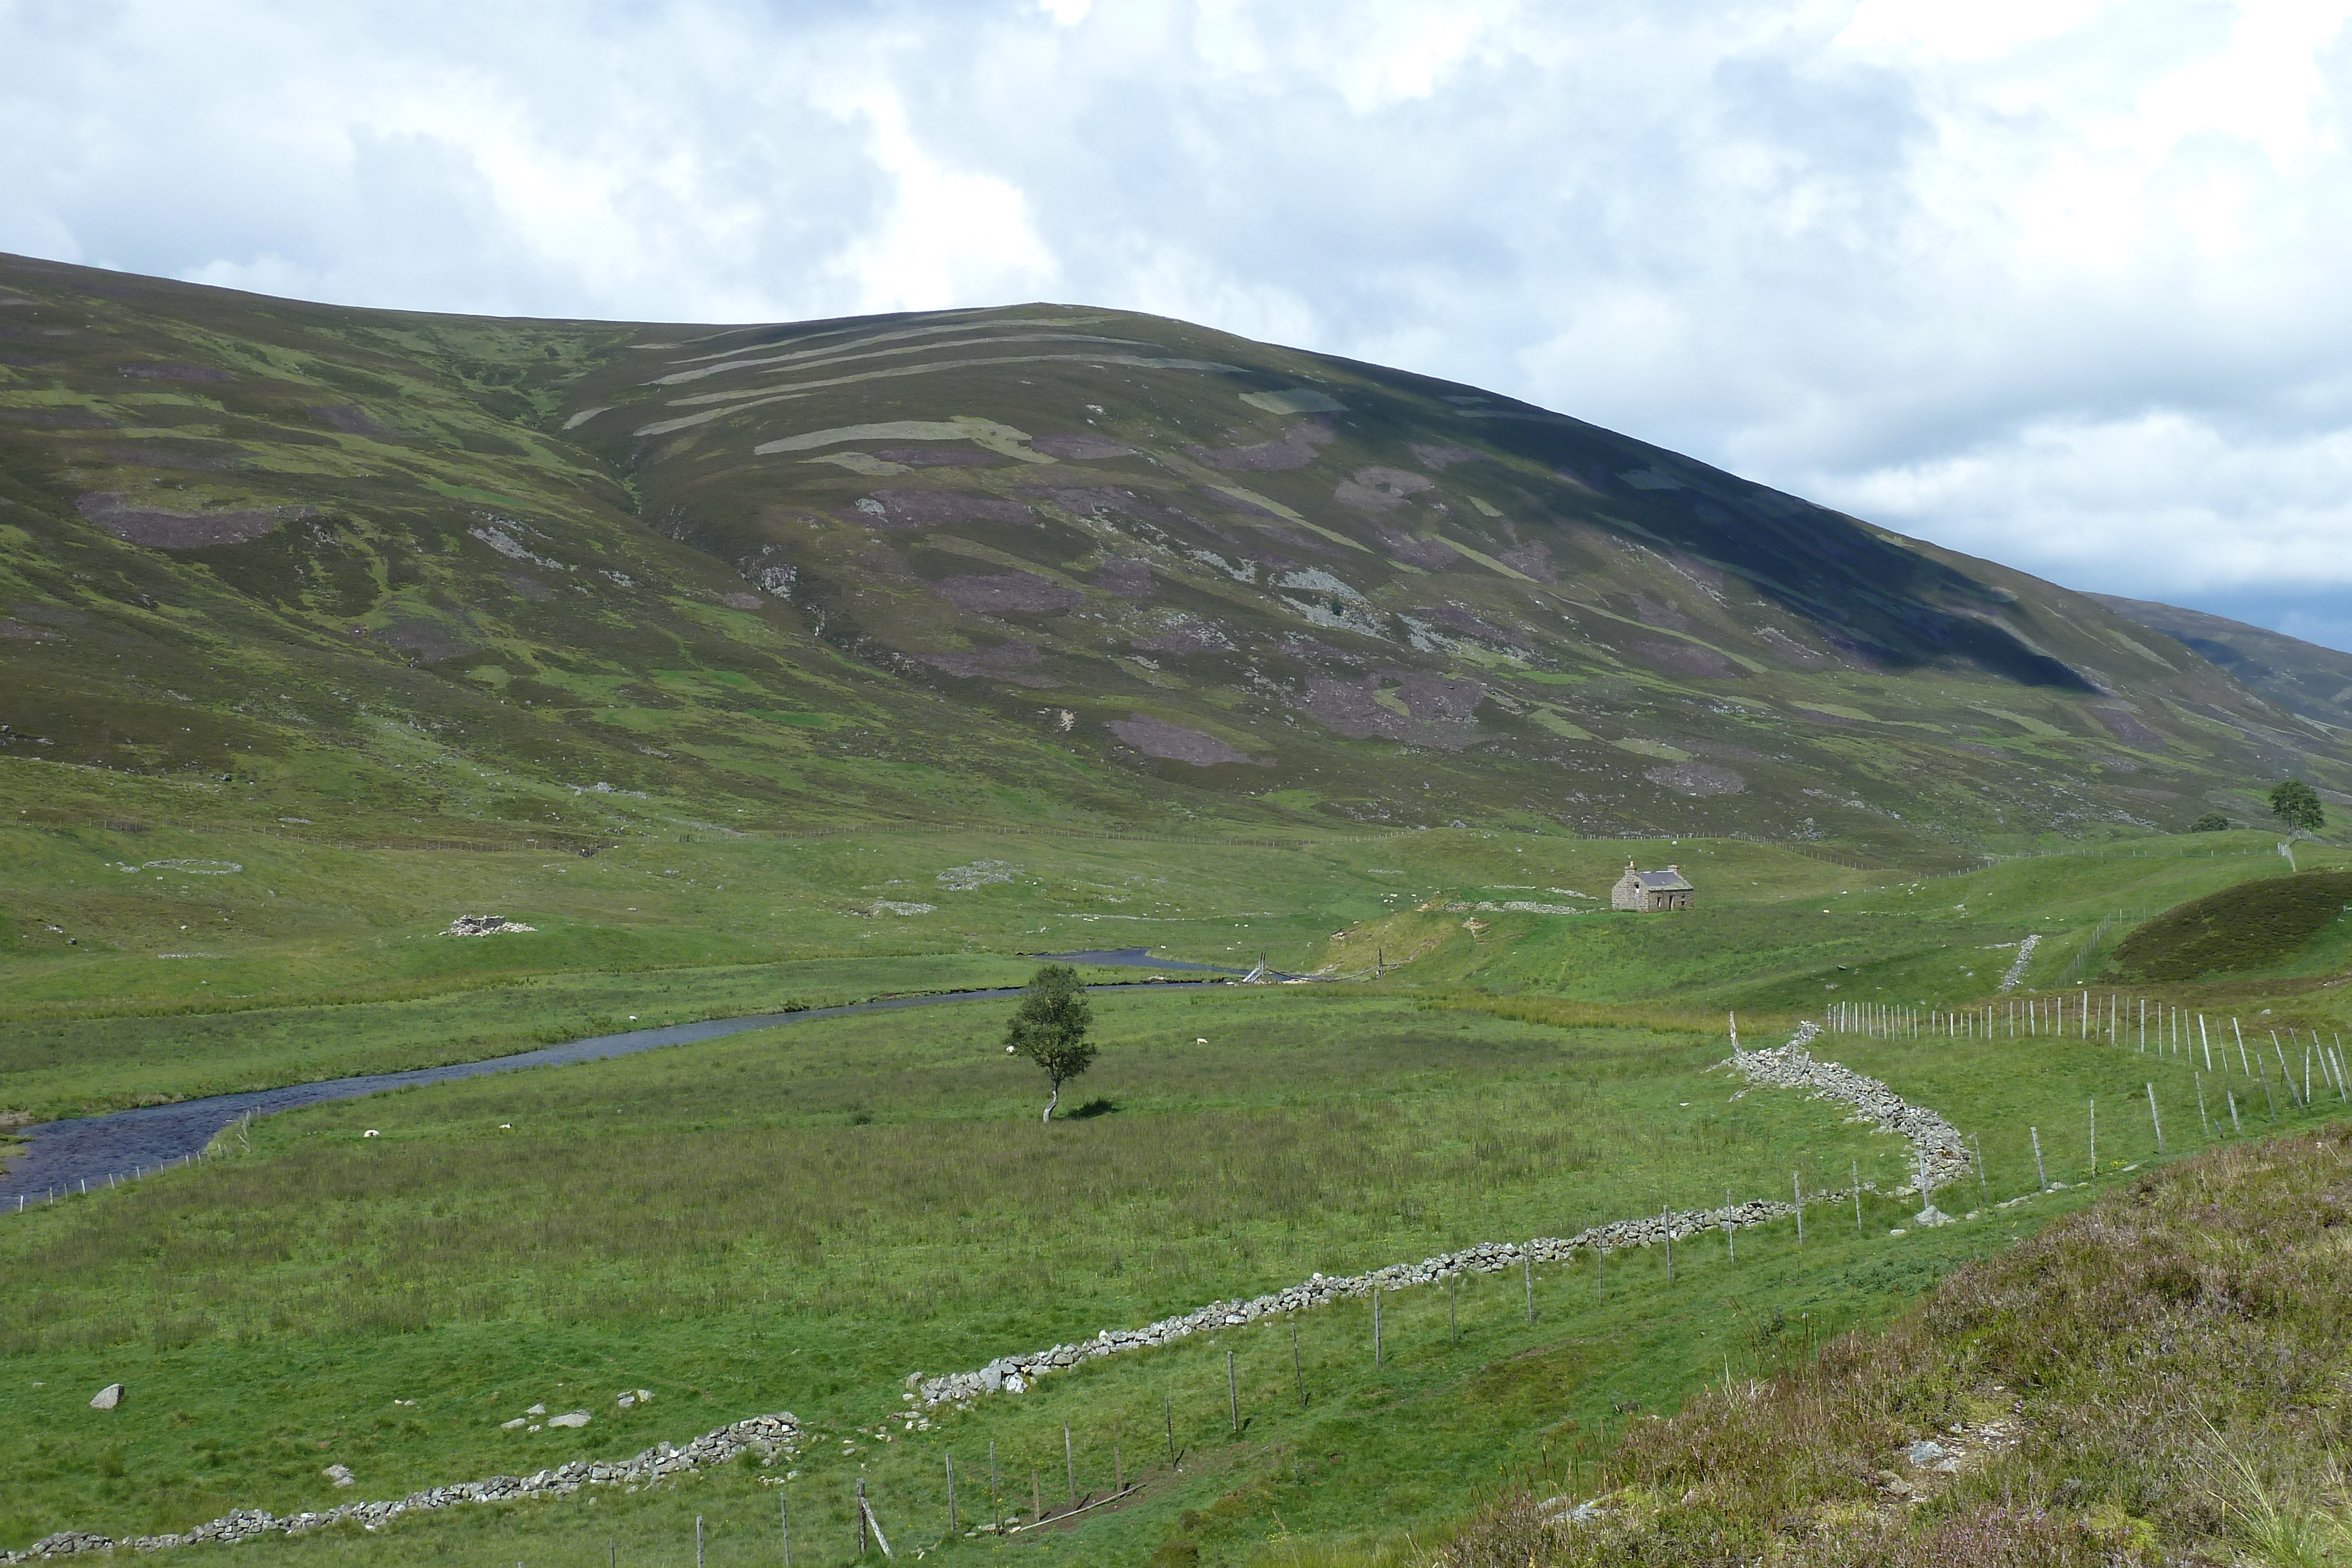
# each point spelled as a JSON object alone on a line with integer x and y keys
{"x": 2052, "y": 280}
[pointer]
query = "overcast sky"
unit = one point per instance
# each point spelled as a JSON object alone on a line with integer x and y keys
{"x": 2059, "y": 282}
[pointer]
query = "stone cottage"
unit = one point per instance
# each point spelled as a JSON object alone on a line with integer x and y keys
{"x": 1647, "y": 890}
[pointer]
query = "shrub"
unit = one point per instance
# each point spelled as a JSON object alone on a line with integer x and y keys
{"x": 2250, "y": 927}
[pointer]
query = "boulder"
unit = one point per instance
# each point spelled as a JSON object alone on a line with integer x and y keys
{"x": 108, "y": 1397}
{"x": 338, "y": 1474}
{"x": 570, "y": 1418}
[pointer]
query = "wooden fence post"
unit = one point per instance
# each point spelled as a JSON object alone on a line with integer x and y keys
{"x": 2154, "y": 1120}
{"x": 1528, "y": 1264}
{"x": 1377, "y": 1360}
{"x": 951, "y": 1500}
{"x": 1297, "y": 1367}
{"x": 1233, "y": 1393}
{"x": 2041, "y": 1174}
{"x": 1854, "y": 1167}
{"x": 1797, "y": 1185}
{"x": 1070, "y": 1458}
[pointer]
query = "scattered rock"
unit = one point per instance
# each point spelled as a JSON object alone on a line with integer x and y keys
{"x": 338, "y": 1474}
{"x": 536, "y": 1410}
{"x": 570, "y": 1418}
{"x": 108, "y": 1397}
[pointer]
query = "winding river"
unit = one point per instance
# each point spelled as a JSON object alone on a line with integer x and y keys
{"x": 61, "y": 1156}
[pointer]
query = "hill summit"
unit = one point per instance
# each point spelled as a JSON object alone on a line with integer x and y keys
{"x": 968, "y": 565}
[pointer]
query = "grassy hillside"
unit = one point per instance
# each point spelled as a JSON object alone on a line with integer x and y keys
{"x": 2155, "y": 1379}
{"x": 2253, "y": 926}
{"x": 562, "y": 583}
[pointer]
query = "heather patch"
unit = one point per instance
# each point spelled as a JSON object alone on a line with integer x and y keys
{"x": 1431, "y": 455}
{"x": 1080, "y": 447}
{"x": 1417, "y": 709}
{"x": 933, "y": 508}
{"x": 1685, "y": 659}
{"x": 174, "y": 372}
{"x": 176, "y": 531}
{"x": 1376, "y": 489}
{"x": 939, "y": 458}
{"x": 1698, "y": 779}
{"x": 1006, "y": 593}
{"x": 1532, "y": 559}
{"x": 1294, "y": 449}
{"x": 2127, "y": 729}
{"x": 1432, "y": 555}
{"x": 1185, "y": 634}
{"x": 1172, "y": 742}
{"x": 1005, "y": 661}
{"x": 1123, "y": 576}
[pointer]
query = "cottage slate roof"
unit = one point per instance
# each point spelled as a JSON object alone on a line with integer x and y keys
{"x": 1664, "y": 882}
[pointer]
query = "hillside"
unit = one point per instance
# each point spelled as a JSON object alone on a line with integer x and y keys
{"x": 2085, "y": 1398}
{"x": 376, "y": 569}
{"x": 2304, "y": 679}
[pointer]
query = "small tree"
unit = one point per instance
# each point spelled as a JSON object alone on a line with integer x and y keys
{"x": 2296, "y": 804}
{"x": 1050, "y": 1028}
{"x": 2210, "y": 823}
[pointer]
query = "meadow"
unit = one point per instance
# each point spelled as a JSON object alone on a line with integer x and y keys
{"x": 800, "y": 1217}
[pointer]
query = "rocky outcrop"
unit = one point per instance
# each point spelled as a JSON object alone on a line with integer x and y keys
{"x": 767, "y": 1435}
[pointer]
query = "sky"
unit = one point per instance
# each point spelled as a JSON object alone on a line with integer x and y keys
{"x": 2061, "y": 283}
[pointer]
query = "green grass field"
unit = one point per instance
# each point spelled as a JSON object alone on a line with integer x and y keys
{"x": 801, "y": 1216}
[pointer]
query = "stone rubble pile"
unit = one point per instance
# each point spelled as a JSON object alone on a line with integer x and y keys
{"x": 766, "y": 1435}
{"x": 1932, "y": 1139}
{"x": 1787, "y": 1066}
{"x": 485, "y": 926}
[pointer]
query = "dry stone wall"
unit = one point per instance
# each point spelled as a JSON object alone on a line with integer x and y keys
{"x": 1936, "y": 1145}
{"x": 767, "y": 1435}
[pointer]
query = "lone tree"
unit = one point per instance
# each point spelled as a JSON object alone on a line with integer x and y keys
{"x": 2296, "y": 804}
{"x": 1050, "y": 1028}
